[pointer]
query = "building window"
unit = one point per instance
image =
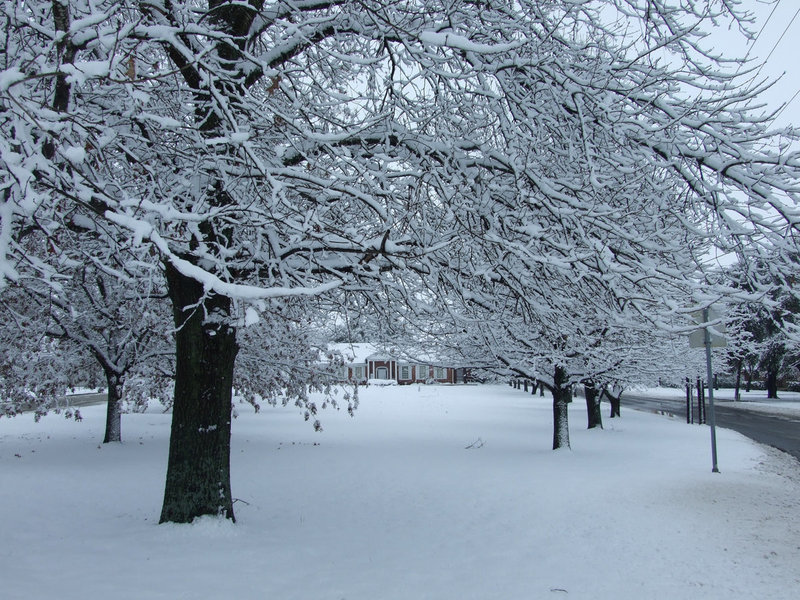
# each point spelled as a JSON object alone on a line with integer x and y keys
{"x": 422, "y": 372}
{"x": 404, "y": 372}
{"x": 345, "y": 373}
{"x": 439, "y": 373}
{"x": 359, "y": 372}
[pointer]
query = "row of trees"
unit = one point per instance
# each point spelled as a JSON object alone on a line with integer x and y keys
{"x": 541, "y": 179}
{"x": 765, "y": 344}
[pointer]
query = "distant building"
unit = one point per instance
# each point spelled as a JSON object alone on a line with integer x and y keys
{"x": 363, "y": 363}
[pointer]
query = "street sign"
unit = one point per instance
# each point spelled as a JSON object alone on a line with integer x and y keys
{"x": 697, "y": 339}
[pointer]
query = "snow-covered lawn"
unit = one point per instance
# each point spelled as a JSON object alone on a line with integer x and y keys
{"x": 392, "y": 504}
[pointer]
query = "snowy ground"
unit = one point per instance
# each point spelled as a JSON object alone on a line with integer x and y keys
{"x": 392, "y": 505}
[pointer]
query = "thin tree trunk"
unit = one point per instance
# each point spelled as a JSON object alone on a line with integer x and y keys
{"x": 561, "y": 399}
{"x": 198, "y": 473}
{"x": 594, "y": 417}
{"x": 688, "y": 401}
{"x": 701, "y": 402}
{"x": 737, "y": 393}
{"x": 113, "y": 408}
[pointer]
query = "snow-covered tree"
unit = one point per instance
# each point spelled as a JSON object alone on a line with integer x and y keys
{"x": 764, "y": 320}
{"x": 627, "y": 171}
{"x": 91, "y": 312}
{"x": 283, "y": 357}
{"x": 264, "y": 150}
{"x": 37, "y": 371}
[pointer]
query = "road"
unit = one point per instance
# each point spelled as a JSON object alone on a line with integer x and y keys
{"x": 86, "y": 399}
{"x": 779, "y": 431}
{"x": 72, "y": 401}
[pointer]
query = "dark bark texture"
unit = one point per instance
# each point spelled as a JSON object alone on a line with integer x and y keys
{"x": 594, "y": 417}
{"x": 113, "y": 409}
{"x": 689, "y": 416}
{"x": 561, "y": 397}
{"x": 614, "y": 401}
{"x": 198, "y": 473}
{"x": 701, "y": 402}
{"x": 772, "y": 383}
{"x": 737, "y": 394}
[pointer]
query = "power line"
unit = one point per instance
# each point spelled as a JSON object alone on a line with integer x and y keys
{"x": 772, "y": 51}
{"x": 797, "y": 12}
{"x": 785, "y": 106}
{"x": 764, "y": 62}
{"x": 752, "y": 43}
{"x": 774, "y": 47}
{"x": 763, "y": 27}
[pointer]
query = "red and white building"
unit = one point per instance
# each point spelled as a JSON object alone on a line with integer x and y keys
{"x": 363, "y": 363}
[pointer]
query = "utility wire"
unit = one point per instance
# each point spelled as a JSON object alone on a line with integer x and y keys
{"x": 797, "y": 12}
{"x": 772, "y": 51}
{"x": 775, "y": 45}
{"x": 785, "y": 106}
{"x": 763, "y": 27}
{"x": 752, "y": 42}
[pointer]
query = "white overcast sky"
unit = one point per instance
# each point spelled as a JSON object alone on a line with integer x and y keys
{"x": 778, "y": 44}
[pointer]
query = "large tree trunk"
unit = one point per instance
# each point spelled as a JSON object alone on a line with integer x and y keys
{"x": 113, "y": 408}
{"x": 561, "y": 399}
{"x": 198, "y": 473}
{"x": 594, "y": 417}
{"x": 772, "y": 383}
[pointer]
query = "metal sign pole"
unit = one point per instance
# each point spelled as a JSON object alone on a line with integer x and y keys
{"x": 710, "y": 375}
